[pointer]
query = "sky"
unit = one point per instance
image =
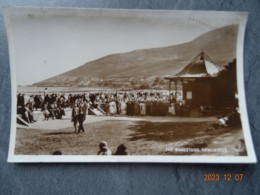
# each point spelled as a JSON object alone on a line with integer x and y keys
{"x": 47, "y": 42}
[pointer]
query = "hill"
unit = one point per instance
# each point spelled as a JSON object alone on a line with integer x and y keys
{"x": 122, "y": 69}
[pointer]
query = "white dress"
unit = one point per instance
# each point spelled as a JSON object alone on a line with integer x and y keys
{"x": 142, "y": 109}
{"x": 111, "y": 109}
{"x": 172, "y": 110}
{"x": 123, "y": 108}
{"x": 114, "y": 107}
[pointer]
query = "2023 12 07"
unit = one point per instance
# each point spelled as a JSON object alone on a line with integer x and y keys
{"x": 225, "y": 177}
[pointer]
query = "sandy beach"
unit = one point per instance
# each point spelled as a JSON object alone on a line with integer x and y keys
{"x": 141, "y": 136}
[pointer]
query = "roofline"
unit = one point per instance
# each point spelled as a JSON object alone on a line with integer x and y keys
{"x": 179, "y": 77}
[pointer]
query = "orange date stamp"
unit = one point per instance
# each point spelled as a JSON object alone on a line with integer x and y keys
{"x": 225, "y": 177}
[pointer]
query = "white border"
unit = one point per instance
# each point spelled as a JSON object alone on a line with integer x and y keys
{"x": 251, "y": 158}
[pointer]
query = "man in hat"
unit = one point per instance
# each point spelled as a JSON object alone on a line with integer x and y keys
{"x": 81, "y": 118}
{"x": 75, "y": 112}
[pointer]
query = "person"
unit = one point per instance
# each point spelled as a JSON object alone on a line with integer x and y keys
{"x": 136, "y": 108}
{"x": 45, "y": 111}
{"x": 31, "y": 116}
{"x": 180, "y": 108}
{"x": 57, "y": 152}
{"x": 121, "y": 150}
{"x": 103, "y": 149}
{"x": 51, "y": 111}
{"x": 85, "y": 107}
{"x": 45, "y": 92}
{"x": 81, "y": 119}
{"x": 25, "y": 115}
{"x": 123, "y": 108}
{"x": 112, "y": 107}
{"x": 19, "y": 104}
{"x": 37, "y": 102}
{"x": 30, "y": 103}
{"x": 28, "y": 115}
{"x": 147, "y": 107}
{"x": 20, "y": 101}
{"x": 142, "y": 109}
{"x": 220, "y": 123}
{"x": 172, "y": 109}
{"x": 128, "y": 108}
{"x": 75, "y": 112}
{"x": 60, "y": 112}
{"x": 46, "y": 99}
{"x": 202, "y": 108}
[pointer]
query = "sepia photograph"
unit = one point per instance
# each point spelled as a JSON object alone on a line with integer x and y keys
{"x": 111, "y": 85}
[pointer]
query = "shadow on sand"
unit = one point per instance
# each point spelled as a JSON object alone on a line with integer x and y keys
{"x": 60, "y": 133}
{"x": 167, "y": 131}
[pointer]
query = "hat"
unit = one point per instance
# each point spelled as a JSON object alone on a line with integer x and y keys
{"x": 103, "y": 144}
{"x": 121, "y": 147}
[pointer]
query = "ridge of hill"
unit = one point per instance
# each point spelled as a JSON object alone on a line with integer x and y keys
{"x": 122, "y": 69}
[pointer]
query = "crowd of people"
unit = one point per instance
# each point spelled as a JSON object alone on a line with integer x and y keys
{"x": 134, "y": 103}
{"x": 50, "y": 107}
{"x": 108, "y": 103}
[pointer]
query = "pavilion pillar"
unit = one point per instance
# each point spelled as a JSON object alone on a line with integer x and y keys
{"x": 170, "y": 86}
{"x": 175, "y": 87}
{"x": 181, "y": 81}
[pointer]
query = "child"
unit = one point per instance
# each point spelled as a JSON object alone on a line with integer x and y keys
{"x": 121, "y": 150}
{"x": 103, "y": 149}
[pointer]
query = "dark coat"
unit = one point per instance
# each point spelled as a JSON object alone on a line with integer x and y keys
{"x": 81, "y": 118}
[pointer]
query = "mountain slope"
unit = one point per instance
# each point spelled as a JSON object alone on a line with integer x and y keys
{"x": 219, "y": 44}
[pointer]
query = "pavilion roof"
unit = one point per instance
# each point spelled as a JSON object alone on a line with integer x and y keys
{"x": 200, "y": 66}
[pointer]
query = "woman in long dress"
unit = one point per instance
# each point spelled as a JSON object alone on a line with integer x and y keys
{"x": 142, "y": 109}
{"x": 136, "y": 108}
{"x": 114, "y": 108}
{"x": 172, "y": 110}
{"x": 123, "y": 107}
{"x": 111, "y": 108}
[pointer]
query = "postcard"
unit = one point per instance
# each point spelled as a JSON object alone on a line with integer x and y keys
{"x": 111, "y": 85}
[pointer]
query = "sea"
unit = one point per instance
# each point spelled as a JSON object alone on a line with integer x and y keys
{"x": 34, "y": 90}
{"x": 40, "y": 90}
